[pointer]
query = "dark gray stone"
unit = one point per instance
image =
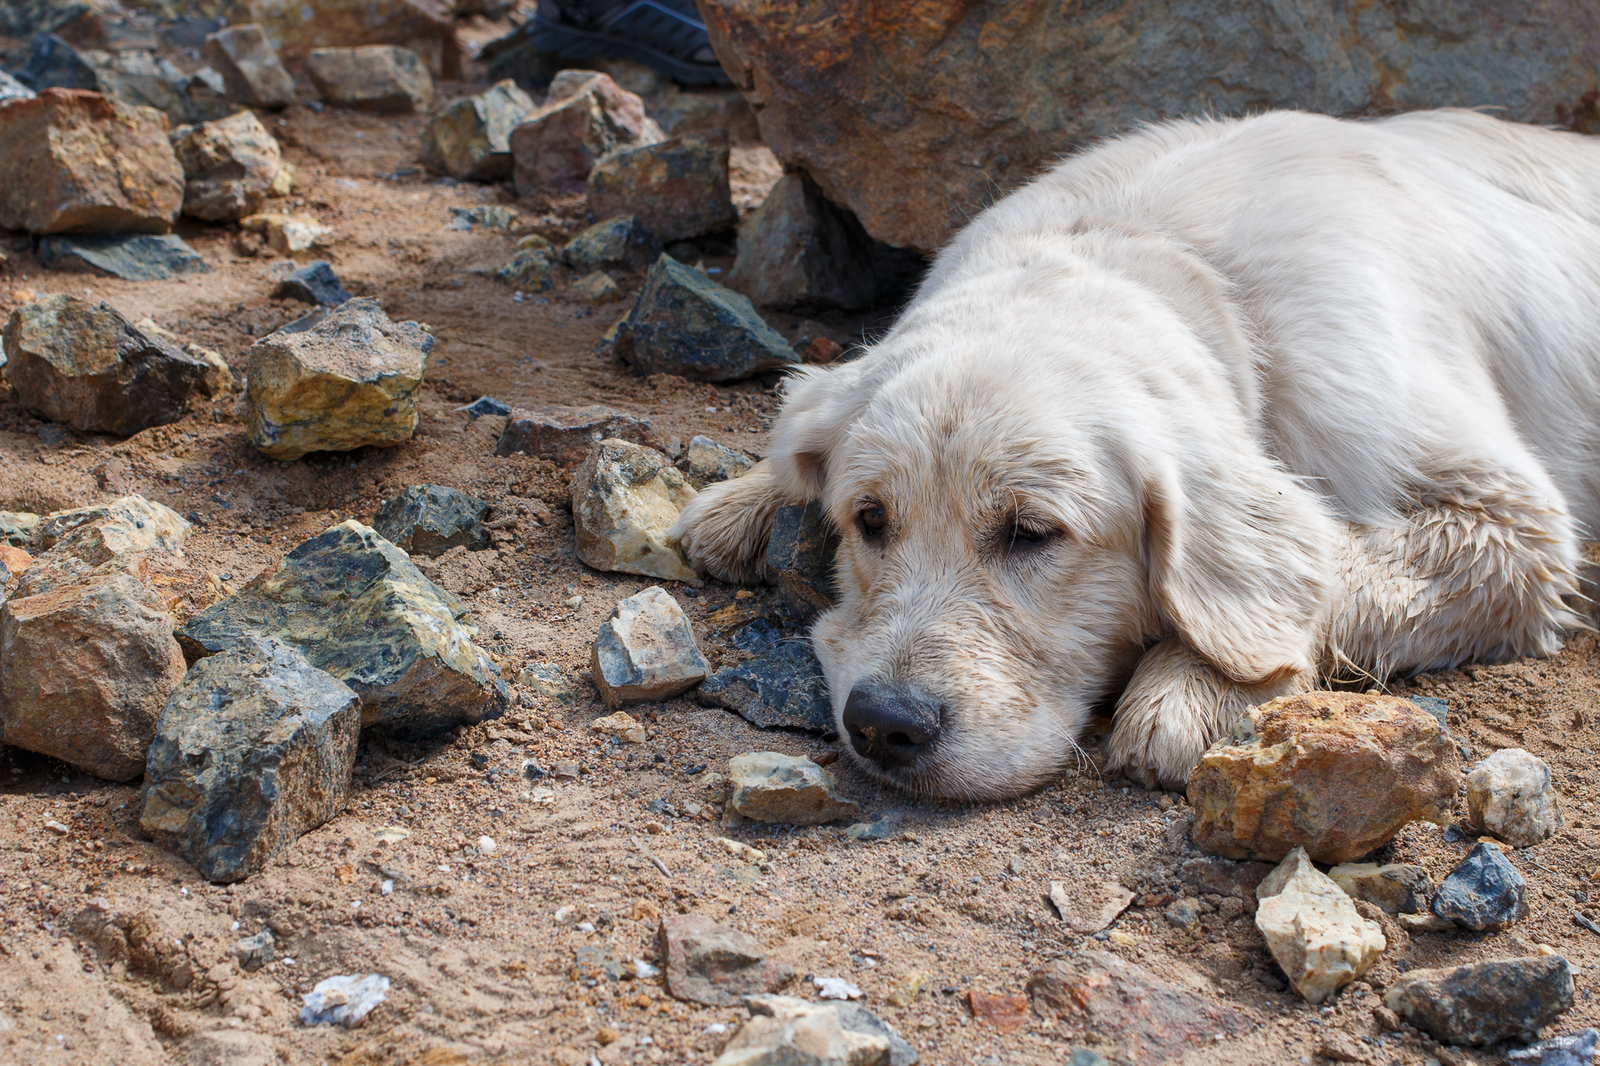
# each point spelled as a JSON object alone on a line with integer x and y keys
{"x": 252, "y": 750}
{"x": 315, "y": 283}
{"x": 1483, "y": 1002}
{"x": 485, "y": 405}
{"x": 800, "y": 252}
{"x": 686, "y": 324}
{"x": 1574, "y": 1050}
{"x": 432, "y": 519}
{"x": 705, "y": 462}
{"x": 566, "y": 435}
{"x": 305, "y": 322}
{"x": 781, "y": 688}
{"x": 621, "y": 243}
{"x": 1484, "y": 893}
{"x": 140, "y": 78}
{"x": 54, "y": 64}
{"x": 800, "y": 558}
{"x": 132, "y": 257}
{"x": 250, "y": 67}
{"x": 1439, "y": 708}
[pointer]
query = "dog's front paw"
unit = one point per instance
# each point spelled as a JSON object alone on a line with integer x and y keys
{"x": 724, "y": 530}
{"x": 1175, "y": 706}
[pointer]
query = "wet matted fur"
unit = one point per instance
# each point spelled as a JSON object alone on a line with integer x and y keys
{"x": 1200, "y": 416}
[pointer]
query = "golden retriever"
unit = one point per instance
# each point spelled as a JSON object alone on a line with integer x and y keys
{"x": 1199, "y": 416}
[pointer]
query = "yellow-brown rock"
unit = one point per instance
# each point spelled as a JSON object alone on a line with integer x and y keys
{"x": 625, "y": 498}
{"x": 1338, "y": 773}
{"x": 230, "y": 166}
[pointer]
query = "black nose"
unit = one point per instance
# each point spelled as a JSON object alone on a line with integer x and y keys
{"x": 891, "y": 722}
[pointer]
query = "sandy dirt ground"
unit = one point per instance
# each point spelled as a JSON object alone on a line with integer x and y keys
{"x": 483, "y": 970}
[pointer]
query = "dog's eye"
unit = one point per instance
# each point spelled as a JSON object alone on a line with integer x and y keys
{"x": 1026, "y": 534}
{"x": 872, "y": 520}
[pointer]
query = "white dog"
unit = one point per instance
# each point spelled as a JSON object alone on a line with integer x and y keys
{"x": 1199, "y": 416}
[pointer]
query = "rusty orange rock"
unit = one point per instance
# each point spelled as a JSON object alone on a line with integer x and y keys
{"x": 1338, "y": 773}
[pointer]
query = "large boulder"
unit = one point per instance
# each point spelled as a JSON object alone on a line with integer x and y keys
{"x": 250, "y": 68}
{"x": 295, "y": 27}
{"x": 78, "y": 162}
{"x": 678, "y": 188}
{"x": 229, "y": 167}
{"x": 915, "y": 122}
{"x": 384, "y": 78}
{"x": 585, "y": 116}
{"x": 471, "y": 138}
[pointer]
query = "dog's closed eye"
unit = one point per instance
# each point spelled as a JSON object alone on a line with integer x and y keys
{"x": 1025, "y": 533}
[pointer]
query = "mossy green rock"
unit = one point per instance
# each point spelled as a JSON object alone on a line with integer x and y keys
{"x": 687, "y": 324}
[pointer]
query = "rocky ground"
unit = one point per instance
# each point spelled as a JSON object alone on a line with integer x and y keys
{"x": 527, "y": 945}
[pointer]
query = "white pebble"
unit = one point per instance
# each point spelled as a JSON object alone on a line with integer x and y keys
{"x": 387, "y": 888}
{"x": 485, "y": 845}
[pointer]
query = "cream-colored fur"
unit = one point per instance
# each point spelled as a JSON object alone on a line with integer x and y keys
{"x": 1280, "y": 398}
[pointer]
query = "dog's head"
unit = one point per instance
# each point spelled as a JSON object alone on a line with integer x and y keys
{"x": 1027, "y": 497}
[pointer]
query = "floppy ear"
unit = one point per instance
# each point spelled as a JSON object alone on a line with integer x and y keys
{"x": 1239, "y": 559}
{"x": 818, "y": 411}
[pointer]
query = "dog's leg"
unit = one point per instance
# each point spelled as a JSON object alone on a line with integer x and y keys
{"x": 724, "y": 530}
{"x": 1176, "y": 704}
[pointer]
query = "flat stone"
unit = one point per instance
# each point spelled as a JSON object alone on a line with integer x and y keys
{"x": 424, "y": 27}
{"x": 1510, "y": 796}
{"x": 78, "y": 162}
{"x": 1576, "y": 1049}
{"x": 12, "y": 89}
{"x": 1222, "y": 877}
{"x": 251, "y": 751}
{"x": 767, "y": 786}
{"x": 621, "y": 243}
{"x": 1314, "y": 930}
{"x": 853, "y": 1018}
{"x": 229, "y": 166}
{"x": 1483, "y": 1002}
{"x": 1485, "y": 892}
{"x": 254, "y": 952}
{"x": 1397, "y": 888}
{"x": 646, "y": 650}
{"x": 678, "y": 188}
{"x": 713, "y": 965}
{"x": 285, "y": 234}
{"x": 800, "y": 252}
{"x": 800, "y": 555}
{"x": 381, "y": 78}
{"x": 250, "y": 67}
{"x": 347, "y": 382}
{"x": 125, "y": 526}
{"x": 132, "y": 257}
{"x": 567, "y": 435}
{"x": 625, "y": 498}
{"x": 622, "y": 725}
{"x": 781, "y": 688}
{"x": 86, "y": 366}
{"x": 432, "y": 519}
{"x": 708, "y": 462}
{"x": 596, "y": 288}
{"x": 686, "y": 324}
{"x": 1087, "y": 907}
{"x": 1129, "y": 1010}
{"x": 315, "y": 283}
{"x": 218, "y": 379}
{"x": 585, "y": 116}
{"x": 343, "y": 1000}
{"x": 1281, "y": 777}
{"x": 470, "y": 139}
{"x": 354, "y": 605}
{"x": 18, "y": 527}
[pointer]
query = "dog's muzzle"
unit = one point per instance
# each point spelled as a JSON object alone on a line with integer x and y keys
{"x": 892, "y": 722}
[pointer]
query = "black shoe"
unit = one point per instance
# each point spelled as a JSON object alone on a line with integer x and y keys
{"x": 665, "y": 35}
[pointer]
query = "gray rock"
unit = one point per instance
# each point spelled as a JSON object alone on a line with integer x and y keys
{"x": 383, "y": 78}
{"x": 315, "y": 283}
{"x": 250, "y": 67}
{"x": 853, "y": 1018}
{"x": 1574, "y": 1050}
{"x": 254, "y": 952}
{"x": 252, "y": 750}
{"x": 132, "y": 257}
{"x": 12, "y": 89}
{"x": 1183, "y": 913}
{"x": 1082, "y": 1056}
{"x": 678, "y": 188}
{"x": 344, "y": 1000}
{"x": 585, "y": 116}
{"x": 566, "y": 435}
{"x": 767, "y": 786}
{"x": 532, "y": 268}
{"x": 800, "y": 252}
{"x": 22, "y": 18}
{"x": 1397, "y": 888}
{"x": 625, "y": 499}
{"x": 471, "y": 138}
{"x": 18, "y": 527}
{"x": 1483, "y": 1002}
{"x": 1485, "y": 892}
{"x": 782, "y": 688}
{"x": 621, "y": 243}
{"x": 646, "y": 650}
{"x": 1221, "y": 877}
{"x": 686, "y": 324}
{"x": 1510, "y": 796}
{"x": 354, "y": 605}
{"x": 52, "y": 63}
{"x": 707, "y": 462}
{"x": 800, "y": 558}
{"x": 711, "y": 964}
{"x": 432, "y": 519}
{"x": 141, "y": 78}
{"x": 485, "y": 405}
{"x": 484, "y": 216}
{"x": 88, "y": 367}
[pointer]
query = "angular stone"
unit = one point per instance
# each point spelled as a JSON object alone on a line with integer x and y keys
{"x": 1129, "y": 1009}
{"x": 800, "y": 558}
{"x": 382, "y": 78}
{"x": 781, "y": 688}
{"x": 1483, "y": 1002}
{"x": 426, "y": 27}
{"x": 12, "y": 89}
{"x": 767, "y": 786}
{"x": 315, "y": 283}
{"x": 354, "y": 605}
{"x": 18, "y": 527}
{"x": 1281, "y": 777}
{"x": 852, "y": 1017}
{"x": 122, "y": 527}
{"x": 139, "y": 77}
{"x": 471, "y": 138}
{"x": 622, "y": 725}
{"x": 1576, "y": 1049}
{"x": 252, "y": 750}
{"x": 52, "y": 63}
{"x": 1398, "y": 888}
{"x": 625, "y": 498}
{"x": 549, "y": 681}
{"x": 250, "y": 67}
{"x": 1510, "y": 796}
{"x": 218, "y": 379}
{"x": 347, "y": 382}
{"x": 1314, "y": 930}
{"x": 585, "y": 116}
{"x": 285, "y": 234}
{"x": 799, "y": 252}
{"x": 709, "y": 462}
{"x": 483, "y": 216}
{"x": 229, "y": 165}
{"x": 677, "y": 188}
{"x": 621, "y": 243}
{"x": 1088, "y": 908}
{"x": 1220, "y": 877}
{"x": 432, "y": 519}
{"x": 686, "y": 324}
{"x": 532, "y": 269}
{"x": 88, "y": 367}
{"x": 78, "y": 162}
{"x": 1485, "y": 892}
{"x": 254, "y": 952}
{"x": 596, "y": 288}
{"x": 132, "y": 257}
{"x": 567, "y": 435}
{"x": 714, "y": 111}
{"x": 646, "y": 650}
{"x": 714, "y": 965}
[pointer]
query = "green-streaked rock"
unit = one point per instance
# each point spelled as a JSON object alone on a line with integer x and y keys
{"x": 686, "y": 324}
{"x": 625, "y": 498}
{"x": 129, "y": 524}
{"x": 531, "y": 269}
{"x": 357, "y": 607}
{"x": 432, "y": 519}
{"x": 470, "y": 139}
{"x": 253, "y": 749}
